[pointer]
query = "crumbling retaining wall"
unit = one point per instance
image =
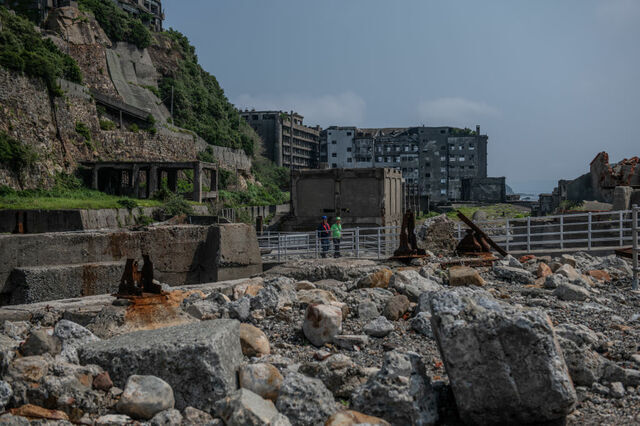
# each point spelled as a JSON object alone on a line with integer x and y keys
{"x": 37, "y": 267}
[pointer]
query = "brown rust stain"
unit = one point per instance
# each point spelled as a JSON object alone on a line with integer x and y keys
{"x": 89, "y": 279}
{"x": 116, "y": 241}
{"x": 152, "y": 311}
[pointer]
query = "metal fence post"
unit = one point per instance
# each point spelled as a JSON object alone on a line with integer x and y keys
{"x": 635, "y": 251}
{"x": 378, "y": 243}
{"x": 459, "y": 231}
{"x": 278, "y": 237}
{"x": 528, "y": 233}
{"x": 561, "y": 232}
{"x": 506, "y": 234}
{"x": 357, "y": 241}
{"x": 316, "y": 239}
{"x": 620, "y": 221}
{"x": 589, "y": 232}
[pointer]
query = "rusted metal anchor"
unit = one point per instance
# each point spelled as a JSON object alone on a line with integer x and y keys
{"x": 135, "y": 282}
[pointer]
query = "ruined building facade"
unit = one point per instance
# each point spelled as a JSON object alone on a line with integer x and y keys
{"x": 277, "y": 129}
{"x": 433, "y": 160}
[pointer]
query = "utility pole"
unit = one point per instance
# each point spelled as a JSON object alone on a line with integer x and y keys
{"x": 291, "y": 159}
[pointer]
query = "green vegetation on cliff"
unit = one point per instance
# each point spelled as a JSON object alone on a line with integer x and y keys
{"x": 200, "y": 104}
{"x": 116, "y": 23}
{"x": 15, "y": 155}
{"x": 23, "y": 49}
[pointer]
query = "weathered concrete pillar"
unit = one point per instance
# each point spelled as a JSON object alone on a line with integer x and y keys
{"x": 94, "y": 177}
{"x": 213, "y": 186}
{"x": 197, "y": 182}
{"x": 135, "y": 181}
{"x": 172, "y": 180}
{"x": 622, "y": 197}
{"x": 153, "y": 181}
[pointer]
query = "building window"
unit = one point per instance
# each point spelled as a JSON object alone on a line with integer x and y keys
{"x": 348, "y": 133}
{"x": 254, "y": 117}
{"x": 334, "y": 142}
{"x": 471, "y": 147}
{"x": 443, "y": 192}
{"x": 443, "y": 181}
{"x": 349, "y": 160}
{"x": 452, "y": 158}
{"x": 461, "y": 159}
{"x": 349, "y": 149}
{"x": 427, "y": 175}
{"x": 443, "y": 170}
{"x": 443, "y": 158}
{"x": 334, "y": 165}
{"x": 334, "y": 154}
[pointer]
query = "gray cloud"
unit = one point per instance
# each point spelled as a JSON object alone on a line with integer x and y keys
{"x": 454, "y": 111}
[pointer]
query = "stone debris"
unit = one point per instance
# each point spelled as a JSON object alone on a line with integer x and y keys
{"x": 340, "y": 343}
{"x": 437, "y": 234}
{"x": 491, "y": 348}
{"x": 145, "y": 396}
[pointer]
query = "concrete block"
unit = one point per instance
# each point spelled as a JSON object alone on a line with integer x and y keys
{"x": 622, "y": 197}
{"x": 41, "y": 283}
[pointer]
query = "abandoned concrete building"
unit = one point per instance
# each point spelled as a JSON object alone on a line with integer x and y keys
{"x": 142, "y": 179}
{"x": 276, "y": 128}
{"x": 486, "y": 190}
{"x": 617, "y": 184}
{"x": 361, "y": 197}
{"x": 432, "y": 159}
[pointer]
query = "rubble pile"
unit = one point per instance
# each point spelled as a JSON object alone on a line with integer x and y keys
{"x": 338, "y": 342}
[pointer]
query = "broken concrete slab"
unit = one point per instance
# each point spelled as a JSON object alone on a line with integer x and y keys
{"x": 198, "y": 360}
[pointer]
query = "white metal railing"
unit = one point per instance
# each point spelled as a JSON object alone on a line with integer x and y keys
{"x": 372, "y": 243}
{"x": 571, "y": 232}
{"x": 635, "y": 251}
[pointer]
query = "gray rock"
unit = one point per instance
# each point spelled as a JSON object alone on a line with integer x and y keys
{"x": 554, "y": 280}
{"x": 261, "y": 378}
{"x": 396, "y": 307}
{"x": 571, "y": 293}
{"x": 567, "y": 259}
{"x": 240, "y": 309}
{"x": 351, "y": 341}
{"x": 304, "y": 400}
{"x": 17, "y": 329}
{"x": 578, "y": 333}
{"x": 114, "y": 420}
{"x": 400, "y": 392}
{"x": 267, "y": 299}
{"x": 511, "y": 274}
{"x": 511, "y": 261}
{"x": 8, "y": 347}
{"x": 616, "y": 390}
{"x": 422, "y": 324}
{"x": 40, "y": 342}
{"x": 168, "y": 417}
{"x": 11, "y": 420}
{"x": 245, "y": 408}
{"x": 411, "y": 284}
{"x": 5, "y": 394}
{"x": 72, "y": 336}
{"x": 585, "y": 365}
{"x": 338, "y": 373}
{"x": 145, "y": 396}
{"x": 503, "y": 362}
{"x": 198, "y": 360}
{"x": 194, "y": 417}
{"x": 206, "y": 309}
{"x": 322, "y": 323}
{"x": 379, "y": 327}
{"x": 367, "y": 310}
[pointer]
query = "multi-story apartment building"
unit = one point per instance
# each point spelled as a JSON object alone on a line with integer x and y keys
{"x": 433, "y": 160}
{"x": 277, "y": 129}
{"x": 149, "y": 11}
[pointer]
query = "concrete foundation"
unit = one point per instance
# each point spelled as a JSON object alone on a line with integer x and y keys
{"x": 38, "y": 267}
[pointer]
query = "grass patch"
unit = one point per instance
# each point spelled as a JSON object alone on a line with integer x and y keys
{"x": 107, "y": 125}
{"x": 67, "y": 193}
{"x": 494, "y": 211}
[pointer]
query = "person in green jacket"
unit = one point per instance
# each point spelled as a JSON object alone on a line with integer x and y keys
{"x": 336, "y": 234}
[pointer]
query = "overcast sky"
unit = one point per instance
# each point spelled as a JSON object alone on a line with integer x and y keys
{"x": 552, "y": 83}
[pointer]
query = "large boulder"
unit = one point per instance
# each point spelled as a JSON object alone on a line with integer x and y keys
{"x": 411, "y": 284}
{"x": 463, "y": 276}
{"x": 338, "y": 373}
{"x": 304, "y": 400}
{"x": 245, "y": 408}
{"x": 396, "y": 307}
{"x": 504, "y": 362}
{"x": 261, "y": 378}
{"x": 72, "y": 336}
{"x": 511, "y": 274}
{"x": 253, "y": 341}
{"x": 401, "y": 392}
{"x": 199, "y": 361}
{"x": 379, "y": 279}
{"x": 322, "y": 323}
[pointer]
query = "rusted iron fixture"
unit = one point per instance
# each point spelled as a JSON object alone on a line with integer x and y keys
{"x": 476, "y": 242}
{"x": 408, "y": 248}
{"x": 135, "y": 282}
{"x": 625, "y": 252}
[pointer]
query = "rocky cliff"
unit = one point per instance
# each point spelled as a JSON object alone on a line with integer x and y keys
{"x": 66, "y": 130}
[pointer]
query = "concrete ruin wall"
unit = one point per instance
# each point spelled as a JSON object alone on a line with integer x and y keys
{"x": 37, "y": 267}
{"x": 361, "y": 197}
{"x": 487, "y": 190}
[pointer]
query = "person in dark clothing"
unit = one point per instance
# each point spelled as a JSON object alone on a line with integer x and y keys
{"x": 324, "y": 231}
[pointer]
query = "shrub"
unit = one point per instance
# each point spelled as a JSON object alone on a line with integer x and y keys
{"x": 117, "y": 23}
{"x": 14, "y": 154}
{"x": 83, "y": 130}
{"x": 134, "y": 128}
{"x": 152, "y": 130}
{"x": 107, "y": 125}
{"x": 128, "y": 203}
{"x": 25, "y": 50}
{"x": 144, "y": 220}
{"x": 176, "y": 205}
